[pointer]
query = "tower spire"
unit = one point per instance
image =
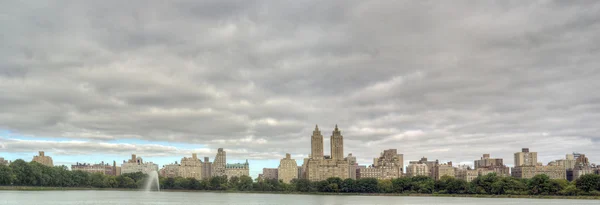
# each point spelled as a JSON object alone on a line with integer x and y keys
{"x": 316, "y": 127}
{"x": 336, "y": 128}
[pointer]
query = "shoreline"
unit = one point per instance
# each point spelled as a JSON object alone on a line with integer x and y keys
{"x": 33, "y": 188}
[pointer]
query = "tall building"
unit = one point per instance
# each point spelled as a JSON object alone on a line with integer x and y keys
{"x": 3, "y": 161}
{"x": 316, "y": 144}
{"x": 417, "y": 169}
{"x": 526, "y": 166}
{"x": 320, "y": 167}
{"x": 444, "y": 170}
{"x": 237, "y": 169}
{"x": 102, "y": 167}
{"x": 191, "y": 167}
{"x": 206, "y": 168}
{"x": 352, "y": 166}
{"x": 525, "y": 158}
{"x": 288, "y": 169}
{"x": 431, "y": 166}
{"x": 270, "y": 173}
{"x": 170, "y": 170}
{"x": 494, "y": 164}
{"x": 137, "y": 164}
{"x": 43, "y": 159}
{"x": 220, "y": 163}
{"x": 389, "y": 165}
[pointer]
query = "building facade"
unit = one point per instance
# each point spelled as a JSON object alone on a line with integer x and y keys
{"x": 43, "y": 159}
{"x": 444, "y": 170}
{"x": 288, "y": 169}
{"x": 416, "y": 169}
{"x": 191, "y": 167}
{"x": 102, "y": 167}
{"x": 237, "y": 170}
{"x": 220, "y": 163}
{"x": 3, "y": 161}
{"x": 270, "y": 173}
{"x": 320, "y": 167}
{"x": 137, "y": 164}
{"x": 493, "y": 164}
{"x": 352, "y": 166}
{"x": 431, "y": 167}
{"x": 525, "y": 158}
{"x": 527, "y": 172}
{"x": 170, "y": 170}
{"x": 389, "y": 165}
{"x": 206, "y": 168}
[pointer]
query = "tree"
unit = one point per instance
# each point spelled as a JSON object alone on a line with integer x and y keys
{"x": 422, "y": 184}
{"x": 245, "y": 183}
{"x": 6, "y": 175}
{"x": 542, "y": 185}
{"x": 348, "y": 185}
{"x": 588, "y": 183}
{"x": 23, "y": 173}
{"x": 400, "y": 185}
{"x": 218, "y": 183}
{"x": 367, "y": 185}
{"x": 302, "y": 185}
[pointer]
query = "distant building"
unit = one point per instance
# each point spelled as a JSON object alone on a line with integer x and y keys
{"x": 237, "y": 170}
{"x": 43, "y": 159}
{"x": 220, "y": 163}
{"x": 102, "y": 167}
{"x": 137, "y": 164}
{"x": 206, "y": 168}
{"x": 444, "y": 170}
{"x": 170, "y": 170}
{"x": 320, "y": 167}
{"x": 300, "y": 172}
{"x": 389, "y": 165}
{"x": 352, "y": 166}
{"x": 270, "y": 173}
{"x": 431, "y": 167}
{"x": 3, "y": 161}
{"x": 416, "y": 169}
{"x": 526, "y": 166}
{"x": 492, "y": 164}
{"x": 288, "y": 169}
{"x": 191, "y": 167}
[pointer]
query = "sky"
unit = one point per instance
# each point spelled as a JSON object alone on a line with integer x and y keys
{"x": 91, "y": 81}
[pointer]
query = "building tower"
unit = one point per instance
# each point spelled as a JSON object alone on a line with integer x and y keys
{"x": 337, "y": 145}
{"x": 316, "y": 144}
{"x": 219, "y": 165}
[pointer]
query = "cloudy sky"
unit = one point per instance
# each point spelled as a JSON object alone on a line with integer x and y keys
{"x": 91, "y": 81}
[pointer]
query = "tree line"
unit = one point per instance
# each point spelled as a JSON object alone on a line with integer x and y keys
{"x": 21, "y": 173}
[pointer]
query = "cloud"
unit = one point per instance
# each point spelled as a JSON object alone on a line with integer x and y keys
{"x": 447, "y": 80}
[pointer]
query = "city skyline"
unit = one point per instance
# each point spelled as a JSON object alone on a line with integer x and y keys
{"x": 99, "y": 81}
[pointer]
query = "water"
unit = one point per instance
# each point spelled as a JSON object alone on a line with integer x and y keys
{"x": 152, "y": 180}
{"x": 171, "y": 198}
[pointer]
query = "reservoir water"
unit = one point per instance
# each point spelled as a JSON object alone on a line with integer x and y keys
{"x": 156, "y": 198}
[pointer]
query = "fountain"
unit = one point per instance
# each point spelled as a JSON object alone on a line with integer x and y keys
{"x": 151, "y": 180}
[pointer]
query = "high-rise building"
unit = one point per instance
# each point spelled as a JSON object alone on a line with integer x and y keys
{"x": 191, "y": 167}
{"x": 431, "y": 166}
{"x": 206, "y": 168}
{"x": 288, "y": 169}
{"x": 237, "y": 169}
{"x": 270, "y": 173}
{"x": 102, "y": 167}
{"x": 170, "y": 170}
{"x": 3, "y": 161}
{"x": 494, "y": 164}
{"x": 444, "y": 170}
{"x": 43, "y": 159}
{"x": 320, "y": 167}
{"x": 525, "y": 158}
{"x": 137, "y": 164}
{"x": 389, "y": 165}
{"x": 220, "y": 163}
{"x": 417, "y": 169}
{"x": 352, "y": 166}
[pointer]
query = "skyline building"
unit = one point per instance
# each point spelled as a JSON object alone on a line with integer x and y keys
{"x": 288, "y": 169}
{"x": 43, "y": 159}
{"x": 321, "y": 167}
{"x": 137, "y": 164}
{"x": 220, "y": 163}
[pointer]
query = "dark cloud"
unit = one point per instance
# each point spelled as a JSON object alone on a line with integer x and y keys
{"x": 447, "y": 80}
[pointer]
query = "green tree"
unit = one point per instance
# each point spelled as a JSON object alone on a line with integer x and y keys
{"x": 367, "y": 185}
{"x": 402, "y": 184}
{"x": 542, "y": 185}
{"x": 218, "y": 183}
{"x": 422, "y": 184}
{"x": 245, "y": 183}
{"x": 23, "y": 173}
{"x": 588, "y": 183}
{"x": 6, "y": 175}
{"x": 348, "y": 185}
{"x": 302, "y": 185}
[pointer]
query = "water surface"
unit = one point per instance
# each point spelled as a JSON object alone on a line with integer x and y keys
{"x": 140, "y": 197}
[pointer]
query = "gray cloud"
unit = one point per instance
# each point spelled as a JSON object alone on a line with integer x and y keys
{"x": 446, "y": 80}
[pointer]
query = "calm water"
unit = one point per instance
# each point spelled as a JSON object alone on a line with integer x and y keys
{"x": 140, "y": 197}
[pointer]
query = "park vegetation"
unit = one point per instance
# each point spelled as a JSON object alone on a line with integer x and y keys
{"x": 21, "y": 173}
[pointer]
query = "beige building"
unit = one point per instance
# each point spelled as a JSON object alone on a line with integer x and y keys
{"x": 191, "y": 167}
{"x": 3, "y": 161}
{"x": 170, "y": 170}
{"x": 220, "y": 163}
{"x": 431, "y": 167}
{"x": 237, "y": 170}
{"x": 206, "y": 168}
{"x": 270, "y": 173}
{"x": 492, "y": 165}
{"x": 525, "y": 158}
{"x": 416, "y": 169}
{"x": 137, "y": 164}
{"x": 288, "y": 169}
{"x": 526, "y": 172}
{"x": 352, "y": 166}
{"x": 444, "y": 170}
{"x": 389, "y": 165}
{"x": 43, "y": 159}
{"x": 102, "y": 167}
{"x": 320, "y": 167}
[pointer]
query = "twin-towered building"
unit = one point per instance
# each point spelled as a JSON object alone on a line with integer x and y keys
{"x": 320, "y": 167}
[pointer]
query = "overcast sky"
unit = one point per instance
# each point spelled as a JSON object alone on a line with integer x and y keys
{"x": 449, "y": 80}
